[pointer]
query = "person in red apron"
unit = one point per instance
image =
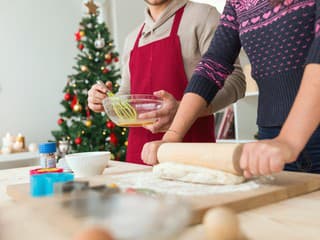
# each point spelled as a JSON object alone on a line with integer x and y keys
{"x": 159, "y": 66}
{"x": 156, "y": 59}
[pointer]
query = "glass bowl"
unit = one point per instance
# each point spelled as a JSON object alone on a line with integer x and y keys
{"x": 124, "y": 110}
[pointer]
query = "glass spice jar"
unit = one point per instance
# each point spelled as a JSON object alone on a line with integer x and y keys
{"x": 48, "y": 155}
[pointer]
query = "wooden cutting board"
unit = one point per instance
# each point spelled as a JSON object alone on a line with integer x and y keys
{"x": 20, "y": 192}
{"x": 285, "y": 185}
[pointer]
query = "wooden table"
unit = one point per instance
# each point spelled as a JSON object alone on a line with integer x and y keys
{"x": 14, "y": 176}
{"x": 280, "y": 219}
{"x": 295, "y": 219}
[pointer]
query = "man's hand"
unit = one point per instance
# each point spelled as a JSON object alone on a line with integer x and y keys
{"x": 164, "y": 115}
{"x": 95, "y": 96}
{"x": 265, "y": 157}
{"x": 149, "y": 152}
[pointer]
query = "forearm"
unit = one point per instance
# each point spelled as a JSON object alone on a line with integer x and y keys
{"x": 191, "y": 107}
{"x": 304, "y": 116}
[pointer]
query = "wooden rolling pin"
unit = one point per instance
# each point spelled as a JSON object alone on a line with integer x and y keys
{"x": 219, "y": 156}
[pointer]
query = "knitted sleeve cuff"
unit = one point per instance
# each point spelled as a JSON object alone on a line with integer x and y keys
{"x": 202, "y": 86}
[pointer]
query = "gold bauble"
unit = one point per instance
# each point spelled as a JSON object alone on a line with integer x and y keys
{"x": 102, "y": 68}
{"x": 108, "y": 56}
{"x": 88, "y": 123}
{"x": 126, "y": 143}
{"x": 81, "y": 33}
{"x": 77, "y": 107}
{"x": 84, "y": 68}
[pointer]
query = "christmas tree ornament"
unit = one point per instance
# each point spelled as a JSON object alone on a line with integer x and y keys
{"x": 88, "y": 123}
{"x": 86, "y": 81}
{"x": 77, "y": 36}
{"x": 77, "y": 107}
{"x": 81, "y": 33}
{"x": 78, "y": 141}
{"x": 90, "y": 57}
{"x": 113, "y": 139}
{"x": 111, "y": 44}
{"x": 99, "y": 43}
{"x": 96, "y": 60}
{"x": 104, "y": 133}
{"x": 67, "y": 96}
{"x": 108, "y": 56}
{"x": 83, "y": 132}
{"x": 80, "y": 46}
{"x": 110, "y": 125}
{"x": 84, "y": 68}
{"x": 89, "y": 25}
{"x": 60, "y": 121}
{"x": 105, "y": 70}
{"x": 126, "y": 143}
{"x": 92, "y": 7}
{"x": 116, "y": 59}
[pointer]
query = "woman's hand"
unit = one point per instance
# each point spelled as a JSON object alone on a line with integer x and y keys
{"x": 95, "y": 96}
{"x": 149, "y": 152}
{"x": 266, "y": 157}
{"x": 164, "y": 115}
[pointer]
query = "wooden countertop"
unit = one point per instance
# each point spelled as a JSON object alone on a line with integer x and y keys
{"x": 295, "y": 219}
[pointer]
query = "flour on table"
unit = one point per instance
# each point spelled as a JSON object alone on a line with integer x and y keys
{"x": 147, "y": 180}
{"x": 195, "y": 174}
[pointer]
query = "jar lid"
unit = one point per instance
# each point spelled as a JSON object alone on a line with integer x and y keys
{"x": 49, "y": 147}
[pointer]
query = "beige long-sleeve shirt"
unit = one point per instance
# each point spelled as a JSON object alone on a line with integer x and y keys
{"x": 197, "y": 27}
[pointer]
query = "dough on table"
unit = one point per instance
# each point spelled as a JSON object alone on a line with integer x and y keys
{"x": 195, "y": 174}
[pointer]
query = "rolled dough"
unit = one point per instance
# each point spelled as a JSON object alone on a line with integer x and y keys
{"x": 195, "y": 174}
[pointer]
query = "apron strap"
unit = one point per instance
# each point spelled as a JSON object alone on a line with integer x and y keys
{"x": 176, "y": 21}
{"x": 136, "y": 44}
{"x": 174, "y": 29}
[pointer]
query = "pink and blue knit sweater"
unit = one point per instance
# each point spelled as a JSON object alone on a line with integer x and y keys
{"x": 279, "y": 42}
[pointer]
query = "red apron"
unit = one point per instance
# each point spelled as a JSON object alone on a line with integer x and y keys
{"x": 159, "y": 66}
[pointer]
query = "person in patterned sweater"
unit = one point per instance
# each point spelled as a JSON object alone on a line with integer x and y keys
{"x": 282, "y": 40}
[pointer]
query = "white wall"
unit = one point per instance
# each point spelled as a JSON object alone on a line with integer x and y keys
{"x": 37, "y": 53}
{"x": 219, "y": 4}
{"x": 37, "y": 50}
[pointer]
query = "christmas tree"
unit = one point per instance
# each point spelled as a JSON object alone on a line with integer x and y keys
{"x": 97, "y": 60}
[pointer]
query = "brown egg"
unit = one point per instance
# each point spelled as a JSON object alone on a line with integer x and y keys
{"x": 221, "y": 223}
{"x": 93, "y": 233}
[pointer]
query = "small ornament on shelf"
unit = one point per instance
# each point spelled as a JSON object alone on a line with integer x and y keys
{"x": 12, "y": 144}
{"x": 99, "y": 43}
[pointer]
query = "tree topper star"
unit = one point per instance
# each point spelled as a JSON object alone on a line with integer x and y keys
{"x": 92, "y": 7}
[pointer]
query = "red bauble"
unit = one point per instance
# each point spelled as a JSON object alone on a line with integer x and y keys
{"x": 78, "y": 140}
{"x": 74, "y": 102}
{"x": 67, "y": 96}
{"x": 116, "y": 59}
{"x": 80, "y": 46}
{"x": 108, "y": 61}
{"x": 105, "y": 70}
{"x": 110, "y": 125}
{"x": 77, "y": 36}
{"x": 60, "y": 121}
{"x": 113, "y": 139}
